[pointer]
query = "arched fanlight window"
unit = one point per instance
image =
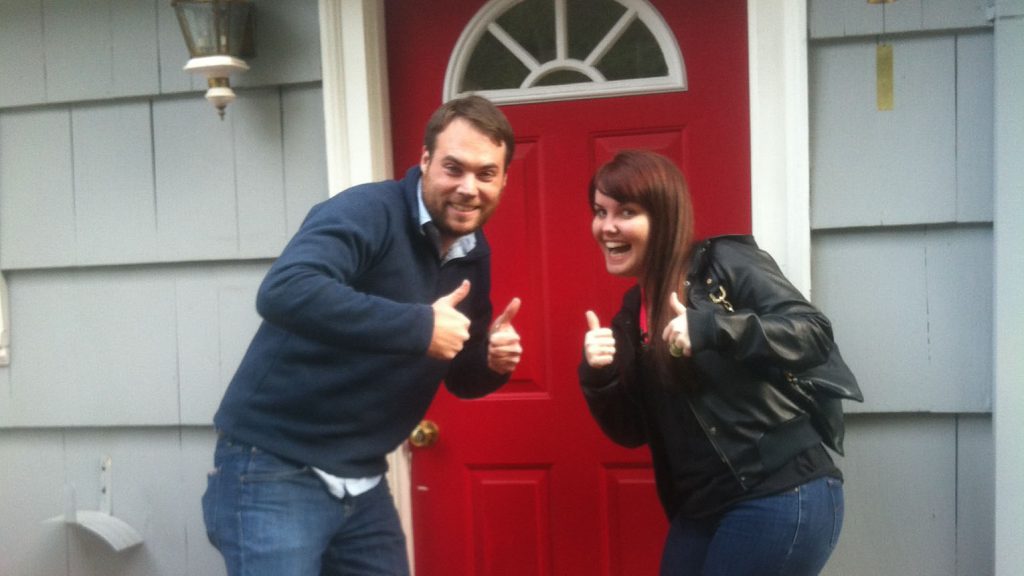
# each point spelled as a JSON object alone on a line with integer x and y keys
{"x": 540, "y": 50}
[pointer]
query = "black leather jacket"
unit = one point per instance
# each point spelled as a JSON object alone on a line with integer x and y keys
{"x": 754, "y": 423}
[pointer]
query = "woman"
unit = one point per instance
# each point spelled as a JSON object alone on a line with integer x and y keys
{"x": 692, "y": 366}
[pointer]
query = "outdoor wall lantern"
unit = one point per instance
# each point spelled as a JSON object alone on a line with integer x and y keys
{"x": 219, "y": 35}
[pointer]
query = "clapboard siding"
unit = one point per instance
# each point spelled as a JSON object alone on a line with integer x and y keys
{"x": 157, "y": 478}
{"x": 975, "y": 125}
{"x": 975, "y": 495}
{"x": 114, "y": 198}
{"x": 905, "y": 474}
{"x": 900, "y": 491}
{"x": 68, "y": 50}
{"x": 141, "y": 346}
{"x": 216, "y": 318}
{"x": 97, "y": 49}
{"x": 874, "y": 168}
{"x": 31, "y": 492}
{"x": 929, "y": 160}
{"x": 842, "y": 18}
{"x": 305, "y": 159}
{"x": 37, "y": 207}
{"x": 113, "y": 192}
{"x": 58, "y": 51}
{"x": 135, "y": 181}
{"x": 287, "y": 45}
{"x": 22, "y": 57}
{"x": 909, "y": 317}
{"x": 196, "y": 180}
{"x": 902, "y": 261}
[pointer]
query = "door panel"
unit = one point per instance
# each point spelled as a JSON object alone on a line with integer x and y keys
{"x": 523, "y": 482}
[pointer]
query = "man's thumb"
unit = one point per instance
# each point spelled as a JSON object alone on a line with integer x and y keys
{"x": 592, "y": 322}
{"x": 508, "y": 314}
{"x": 457, "y": 295}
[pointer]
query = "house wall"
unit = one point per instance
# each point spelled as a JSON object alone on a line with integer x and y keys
{"x": 901, "y": 218}
{"x": 135, "y": 226}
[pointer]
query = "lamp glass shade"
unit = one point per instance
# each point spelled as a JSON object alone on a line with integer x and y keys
{"x": 217, "y": 27}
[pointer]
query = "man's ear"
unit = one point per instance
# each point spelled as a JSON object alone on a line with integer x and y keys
{"x": 424, "y": 159}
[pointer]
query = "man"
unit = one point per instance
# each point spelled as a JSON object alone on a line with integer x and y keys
{"x": 382, "y": 293}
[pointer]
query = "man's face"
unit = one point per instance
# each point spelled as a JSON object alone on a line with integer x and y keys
{"x": 462, "y": 180}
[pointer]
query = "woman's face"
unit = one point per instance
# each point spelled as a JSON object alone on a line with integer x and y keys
{"x": 621, "y": 230}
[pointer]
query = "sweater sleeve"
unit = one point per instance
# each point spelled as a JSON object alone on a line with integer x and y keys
{"x": 772, "y": 323}
{"x": 310, "y": 291}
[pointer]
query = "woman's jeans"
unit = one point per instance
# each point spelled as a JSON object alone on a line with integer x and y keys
{"x": 788, "y": 534}
{"x": 272, "y": 517}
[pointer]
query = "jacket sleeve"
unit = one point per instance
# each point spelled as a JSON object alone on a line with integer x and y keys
{"x": 309, "y": 290}
{"x": 772, "y": 323}
{"x": 612, "y": 407}
{"x": 609, "y": 396}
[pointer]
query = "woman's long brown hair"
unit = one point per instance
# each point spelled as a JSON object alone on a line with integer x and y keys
{"x": 655, "y": 183}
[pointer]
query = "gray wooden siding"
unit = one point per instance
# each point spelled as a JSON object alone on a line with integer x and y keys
{"x": 912, "y": 312}
{"x": 837, "y": 18}
{"x": 158, "y": 475}
{"x": 930, "y": 158}
{"x": 69, "y": 50}
{"x": 133, "y": 346}
{"x": 919, "y": 496}
{"x": 135, "y": 227}
{"x": 901, "y": 214}
{"x": 162, "y": 180}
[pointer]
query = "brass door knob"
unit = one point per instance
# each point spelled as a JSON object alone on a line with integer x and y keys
{"x": 424, "y": 435}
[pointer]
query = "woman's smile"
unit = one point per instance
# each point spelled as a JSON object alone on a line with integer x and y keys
{"x": 622, "y": 230}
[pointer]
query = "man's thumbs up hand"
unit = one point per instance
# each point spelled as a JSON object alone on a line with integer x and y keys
{"x": 451, "y": 327}
{"x": 504, "y": 349}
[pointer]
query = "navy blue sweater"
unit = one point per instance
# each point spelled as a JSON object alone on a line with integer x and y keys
{"x": 337, "y": 374}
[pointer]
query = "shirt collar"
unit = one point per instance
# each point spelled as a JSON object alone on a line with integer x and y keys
{"x": 463, "y": 245}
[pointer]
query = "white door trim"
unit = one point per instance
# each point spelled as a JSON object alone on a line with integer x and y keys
{"x": 779, "y": 135}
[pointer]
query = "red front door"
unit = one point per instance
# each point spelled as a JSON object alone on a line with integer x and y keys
{"x": 523, "y": 482}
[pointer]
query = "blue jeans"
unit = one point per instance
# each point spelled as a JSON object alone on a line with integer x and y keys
{"x": 788, "y": 534}
{"x": 271, "y": 517}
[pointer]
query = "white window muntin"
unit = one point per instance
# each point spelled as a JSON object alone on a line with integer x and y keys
{"x": 485, "y": 22}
